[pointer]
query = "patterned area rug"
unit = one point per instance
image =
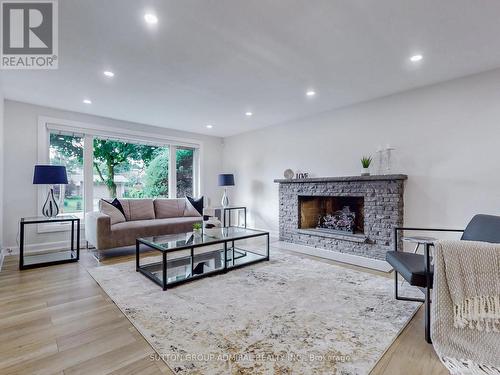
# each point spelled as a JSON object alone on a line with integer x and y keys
{"x": 291, "y": 315}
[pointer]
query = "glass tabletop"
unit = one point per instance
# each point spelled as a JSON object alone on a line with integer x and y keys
{"x": 192, "y": 239}
{"x": 38, "y": 219}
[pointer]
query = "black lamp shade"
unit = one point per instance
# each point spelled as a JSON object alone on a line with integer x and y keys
{"x": 50, "y": 175}
{"x": 226, "y": 179}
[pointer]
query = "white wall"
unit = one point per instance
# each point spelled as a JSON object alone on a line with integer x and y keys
{"x": 1, "y": 165}
{"x": 447, "y": 138}
{"x": 21, "y": 121}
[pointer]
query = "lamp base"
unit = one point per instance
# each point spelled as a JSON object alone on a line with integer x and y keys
{"x": 225, "y": 199}
{"x": 50, "y": 208}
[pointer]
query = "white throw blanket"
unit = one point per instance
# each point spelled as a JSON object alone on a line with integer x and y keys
{"x": 466, "y": 306}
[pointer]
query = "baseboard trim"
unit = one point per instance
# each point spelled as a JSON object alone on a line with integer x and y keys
{"x": 40, "y": 247}
{"x": 274, "y": 235}
{"x": 356, "y": 260}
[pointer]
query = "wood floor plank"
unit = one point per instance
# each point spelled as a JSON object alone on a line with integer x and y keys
{"x": 57, "y": 320}
{"x": 68, "y": 358}
{"x": 26, "y": 352}
{"x": 111, "y": 361}
{"x": 91, "y": 333}
{"x": 143, "y": 366}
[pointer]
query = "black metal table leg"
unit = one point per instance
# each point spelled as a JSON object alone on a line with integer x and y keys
{"x": 267, "y": 243}
{"x": 164, "y": 264}
{"x": 427, "y": 295}
{"x": 78, "y": 240}
{"x": 395, "y": 273}
{"x": 137, "y": 245}
{"x": 192, "y": 261}
{"x": 21, "y": 246}
{"x": 72, "y": 237}
{"x": 225, "y": 256}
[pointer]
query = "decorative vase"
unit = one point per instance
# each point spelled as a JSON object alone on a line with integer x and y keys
{"x": 50, "y": 208}
{"x": 365, "y": 172}
{"x": 225, "y": 199}
{"x": 388, "y": 159}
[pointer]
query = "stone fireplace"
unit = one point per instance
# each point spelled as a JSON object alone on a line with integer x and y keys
{"x": 352, "y": 215}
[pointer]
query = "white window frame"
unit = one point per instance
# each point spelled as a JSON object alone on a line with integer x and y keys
{"x": 89, "y": 131}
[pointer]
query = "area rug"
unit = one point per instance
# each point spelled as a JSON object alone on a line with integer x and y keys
{"x": 291, "y": 315}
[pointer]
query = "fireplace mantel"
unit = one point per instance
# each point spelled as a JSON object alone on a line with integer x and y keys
{"x": 386, "y": 177}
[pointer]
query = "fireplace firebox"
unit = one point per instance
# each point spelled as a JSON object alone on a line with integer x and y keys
{"x": 336, "y": 214}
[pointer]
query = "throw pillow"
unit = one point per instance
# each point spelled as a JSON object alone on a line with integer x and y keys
{"x": 191, "y": 203}
{"x": 114, "y": 213}
{"x": 118, "y": 205}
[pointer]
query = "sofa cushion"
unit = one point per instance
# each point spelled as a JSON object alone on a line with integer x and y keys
{"x": 138, "y": 209}
{"x": 167, "y": 208}
{"x": 410, "y": 266}
{"x": 125, "y": 234}
{"x": 112, "y": 211}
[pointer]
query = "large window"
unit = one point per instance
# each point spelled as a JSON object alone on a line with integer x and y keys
{"x": 184, "y": 169}
{"x": 106, "y": 166}
{"x": 129, "y": 170}
{"x": 67, "y": 150}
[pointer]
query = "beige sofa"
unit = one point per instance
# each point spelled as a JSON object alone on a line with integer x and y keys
{"x": 143, "y": 217}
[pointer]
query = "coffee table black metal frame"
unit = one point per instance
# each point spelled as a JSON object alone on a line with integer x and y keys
{"x": 74, "y": 252}
{"x": 164, "y": 284}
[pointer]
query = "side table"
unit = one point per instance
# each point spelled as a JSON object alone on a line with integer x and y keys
{"x": 224, "y": 214}
{"x": 50, "y": 258}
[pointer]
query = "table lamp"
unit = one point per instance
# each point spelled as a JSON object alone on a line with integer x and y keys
{"x": 50, "y": 175}
{"x": 225, "y": 180}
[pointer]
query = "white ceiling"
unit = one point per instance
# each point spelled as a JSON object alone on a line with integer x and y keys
{"x": 210, "y": 61}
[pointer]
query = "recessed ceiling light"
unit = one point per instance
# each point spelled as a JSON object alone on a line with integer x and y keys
{"x": 416, "y": 58}
{"x": 311, "y": 93}
{"x": 87, "y": 101}
{"x": 151, "y": 18}
{"x": 210, "y": 126}
{"x": 248, "y": 114}
{"x": 109, "y": 73}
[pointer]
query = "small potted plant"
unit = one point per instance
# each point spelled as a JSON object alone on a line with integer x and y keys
{"x": 365, "y": 163}
{"x": 197, "y": 228}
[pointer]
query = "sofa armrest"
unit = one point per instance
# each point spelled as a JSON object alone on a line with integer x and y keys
{"x": 97, "y": 228}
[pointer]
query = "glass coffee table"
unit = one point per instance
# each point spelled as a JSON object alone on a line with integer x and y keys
{"x": 191, "y": 255}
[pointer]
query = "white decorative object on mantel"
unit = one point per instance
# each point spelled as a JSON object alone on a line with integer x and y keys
{"x": 388, "y": 158}
{"x": 384, "y": 159}
{"x": 380, "y": 160}
{"x": 288, "y": 174}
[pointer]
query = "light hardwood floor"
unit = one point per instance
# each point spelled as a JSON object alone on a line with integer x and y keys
{"x": 57, "y": 320}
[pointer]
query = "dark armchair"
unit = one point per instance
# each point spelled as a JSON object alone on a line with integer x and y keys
{"x": 417, "y": 270}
